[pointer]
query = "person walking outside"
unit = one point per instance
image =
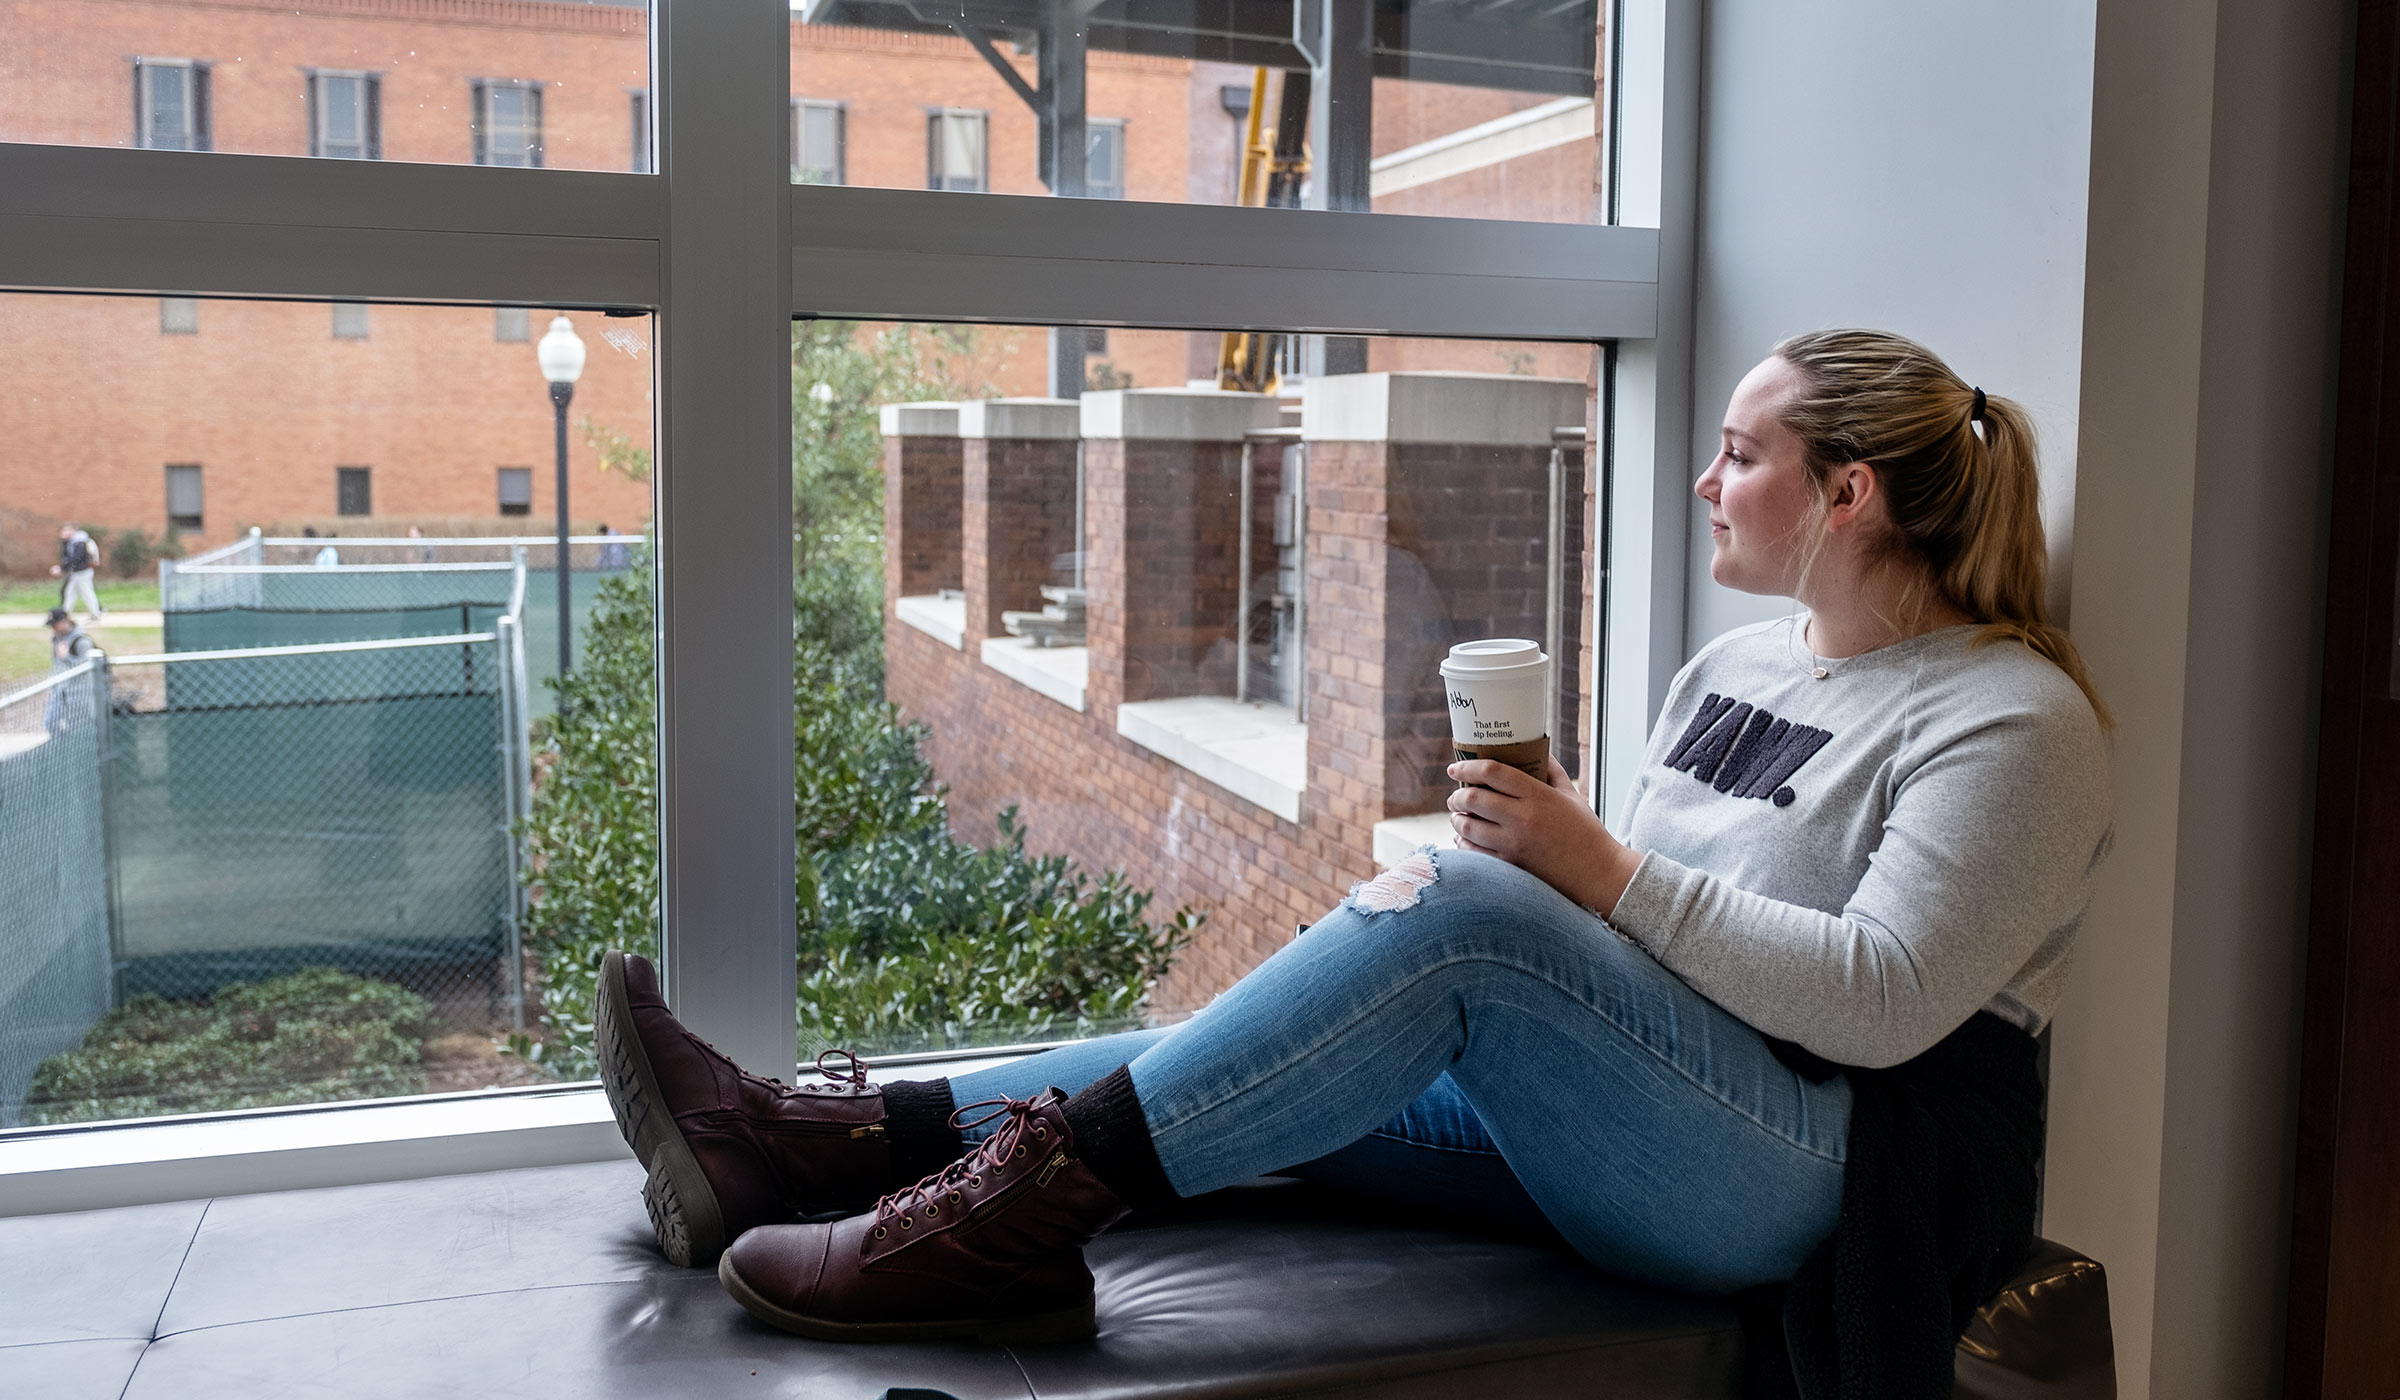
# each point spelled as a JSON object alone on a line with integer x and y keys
{"x": 78, "y": 562}
{"x": 1771, "y": 1028}
{"x": 70, "y": 646}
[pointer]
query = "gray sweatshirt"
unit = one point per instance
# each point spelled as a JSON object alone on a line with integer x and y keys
{"x": 1860, "y": 863}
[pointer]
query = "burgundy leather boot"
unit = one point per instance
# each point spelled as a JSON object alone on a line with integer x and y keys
{"x": 989, "y": 1247}
{"x": 727, "y": 1150}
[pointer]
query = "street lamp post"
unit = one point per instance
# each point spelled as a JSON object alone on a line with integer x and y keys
{"x": 561, "y": 356}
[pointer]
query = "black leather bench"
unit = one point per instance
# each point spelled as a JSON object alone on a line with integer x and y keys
{"x": 544, "y": 1282}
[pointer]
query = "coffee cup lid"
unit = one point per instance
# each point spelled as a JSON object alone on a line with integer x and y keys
{"x": 1492, "y": 654}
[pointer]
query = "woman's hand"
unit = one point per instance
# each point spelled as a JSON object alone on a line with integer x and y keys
{"x": 1546, "y": 828}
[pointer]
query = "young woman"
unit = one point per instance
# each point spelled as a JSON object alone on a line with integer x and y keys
{"x": 1868, "y": 831}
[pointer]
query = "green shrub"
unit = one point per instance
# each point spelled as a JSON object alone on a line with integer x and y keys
{"x": 920, "y": 942}
{"x": 309, "y": 1037}
{"x": 907, "y": 937}
{"x": 133, "y": 554}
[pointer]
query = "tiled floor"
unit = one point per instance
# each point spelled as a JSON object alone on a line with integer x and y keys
{"x": 545, "y": 1282}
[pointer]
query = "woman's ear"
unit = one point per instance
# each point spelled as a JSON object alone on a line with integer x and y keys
{"x": 1851, "y": 490}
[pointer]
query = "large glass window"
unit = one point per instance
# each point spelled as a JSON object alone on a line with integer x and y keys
{"x": 439, "y": 397}
{"x": 295, "y": 784}
{"x": 380, "y": 81}
{"x": 1101, "y": 695}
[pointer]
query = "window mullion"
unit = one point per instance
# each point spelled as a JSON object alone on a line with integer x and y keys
{"x": 724, "y": 528}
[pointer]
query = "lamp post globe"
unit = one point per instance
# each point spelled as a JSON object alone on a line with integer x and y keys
{"x": 560, "y": 355}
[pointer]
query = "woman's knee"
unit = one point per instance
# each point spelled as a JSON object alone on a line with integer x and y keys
{"x": 1465, "y": 880}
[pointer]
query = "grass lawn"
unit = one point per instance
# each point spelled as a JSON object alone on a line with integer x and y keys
{"x": 41, "y": 595}
{"x": 25, "y": 651}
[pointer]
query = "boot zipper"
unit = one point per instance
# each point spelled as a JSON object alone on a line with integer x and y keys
{"x": 1050, "y": 1169}
{"x": 870, "y": 1130}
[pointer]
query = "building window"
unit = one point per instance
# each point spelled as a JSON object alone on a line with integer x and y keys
{"x": 954, "y": 151}
{"x": 817, "y": 143}
{"x": 183, "y": 497}
{"x": 349, "y": 320}
{"x": 345, "y": 115}
{"x": 1104, "y": 160}
{"x": 170, "y": 104}
{"x": 354, "y": 490}
{"x": 512, "y": 323}
{"x": 507, "y": 125}
{"x": 641, "y": 133}
{"x": 516, "y": 490}
{"x": 179, "y": 315}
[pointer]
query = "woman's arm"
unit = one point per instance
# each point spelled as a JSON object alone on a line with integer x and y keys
{"x": 1989, "y": 846}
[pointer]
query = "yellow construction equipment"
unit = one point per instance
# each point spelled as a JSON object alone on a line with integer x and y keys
{"x": 1271, "y": 177}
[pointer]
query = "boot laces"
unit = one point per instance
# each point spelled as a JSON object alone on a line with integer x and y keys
{"x": 855, "y": 1075}
{"x": 993, "y": 1155}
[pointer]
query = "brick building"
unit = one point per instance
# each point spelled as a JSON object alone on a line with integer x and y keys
{"x": 273, "y": 403}
{"x": 1425, "y": 521}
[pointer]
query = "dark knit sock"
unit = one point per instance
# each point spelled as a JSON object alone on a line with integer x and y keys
{"x": 1113, "y": 1139}
{"x": 917, "y": 1115}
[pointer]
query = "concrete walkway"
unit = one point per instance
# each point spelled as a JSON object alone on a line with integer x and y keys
{"x": 114, "y": 619}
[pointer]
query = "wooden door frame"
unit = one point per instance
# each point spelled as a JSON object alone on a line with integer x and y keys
{"x": 2345, "y": 1258}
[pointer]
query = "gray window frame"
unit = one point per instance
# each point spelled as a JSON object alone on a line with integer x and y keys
{"x": 479, "y": 121}
{"x": 838, "y": 113}
{"x": 195, "y": 134}
{"x": 507, "y": 477}
{"x": 1094, "y": 132}
{"x": 195, "y": 519}
{"x": 936, "y": 177}
{"x": 370, "y": 113}
{"x": 724, "y": 270}
{"x": 349, "y": 478}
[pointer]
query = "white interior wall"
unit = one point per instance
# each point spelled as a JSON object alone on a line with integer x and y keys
{"x": 1916, "y": 168}
{"x": 2122, "y": 213}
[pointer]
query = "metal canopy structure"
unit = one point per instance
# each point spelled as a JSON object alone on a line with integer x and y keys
{"x": 1540, "y": 46}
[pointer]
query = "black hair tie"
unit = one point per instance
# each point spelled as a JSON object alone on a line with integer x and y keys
{"x": 1976, "y": 414}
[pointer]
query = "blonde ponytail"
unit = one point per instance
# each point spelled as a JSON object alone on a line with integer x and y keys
{"x": 1964, "y": 494}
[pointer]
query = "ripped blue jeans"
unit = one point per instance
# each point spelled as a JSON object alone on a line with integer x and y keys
{"x": 1461, "y": 1039}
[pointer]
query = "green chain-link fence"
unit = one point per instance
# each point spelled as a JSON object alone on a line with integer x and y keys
{"x": 180, "y": 823}
{"x": 339, "y": 805}
{"x": 268, "y": 591}
{"x": 54, "y": 958}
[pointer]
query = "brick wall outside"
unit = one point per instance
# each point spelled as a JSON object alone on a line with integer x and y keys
{"x": 923, "y": 516}
{"x": 1410, "y": 549}
{"x": 1019, "y": 518}
{"x": 1085, "y": 791}
{"x": 269, "y": 403}
{"x": 1168, "y": 530}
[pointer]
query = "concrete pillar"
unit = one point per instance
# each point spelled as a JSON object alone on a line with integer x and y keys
{"x": 1018, "y": 518}
{"x": 922, "y": 500}
{"x": 1428, "y": 525}
{"x": 1162, "y": 474}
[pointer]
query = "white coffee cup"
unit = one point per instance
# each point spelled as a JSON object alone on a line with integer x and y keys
{"x": 1499, "y": 691}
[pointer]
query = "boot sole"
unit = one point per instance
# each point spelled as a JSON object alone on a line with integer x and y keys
{"x": 1073, "y": 1324}
{"x": 682, "y": 1207}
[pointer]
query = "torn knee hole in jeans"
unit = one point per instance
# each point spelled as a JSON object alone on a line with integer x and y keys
{"x": 1397, "y": 888}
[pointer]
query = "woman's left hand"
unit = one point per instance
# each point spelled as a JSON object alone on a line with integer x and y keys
{"x": 1546, "y": 828}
